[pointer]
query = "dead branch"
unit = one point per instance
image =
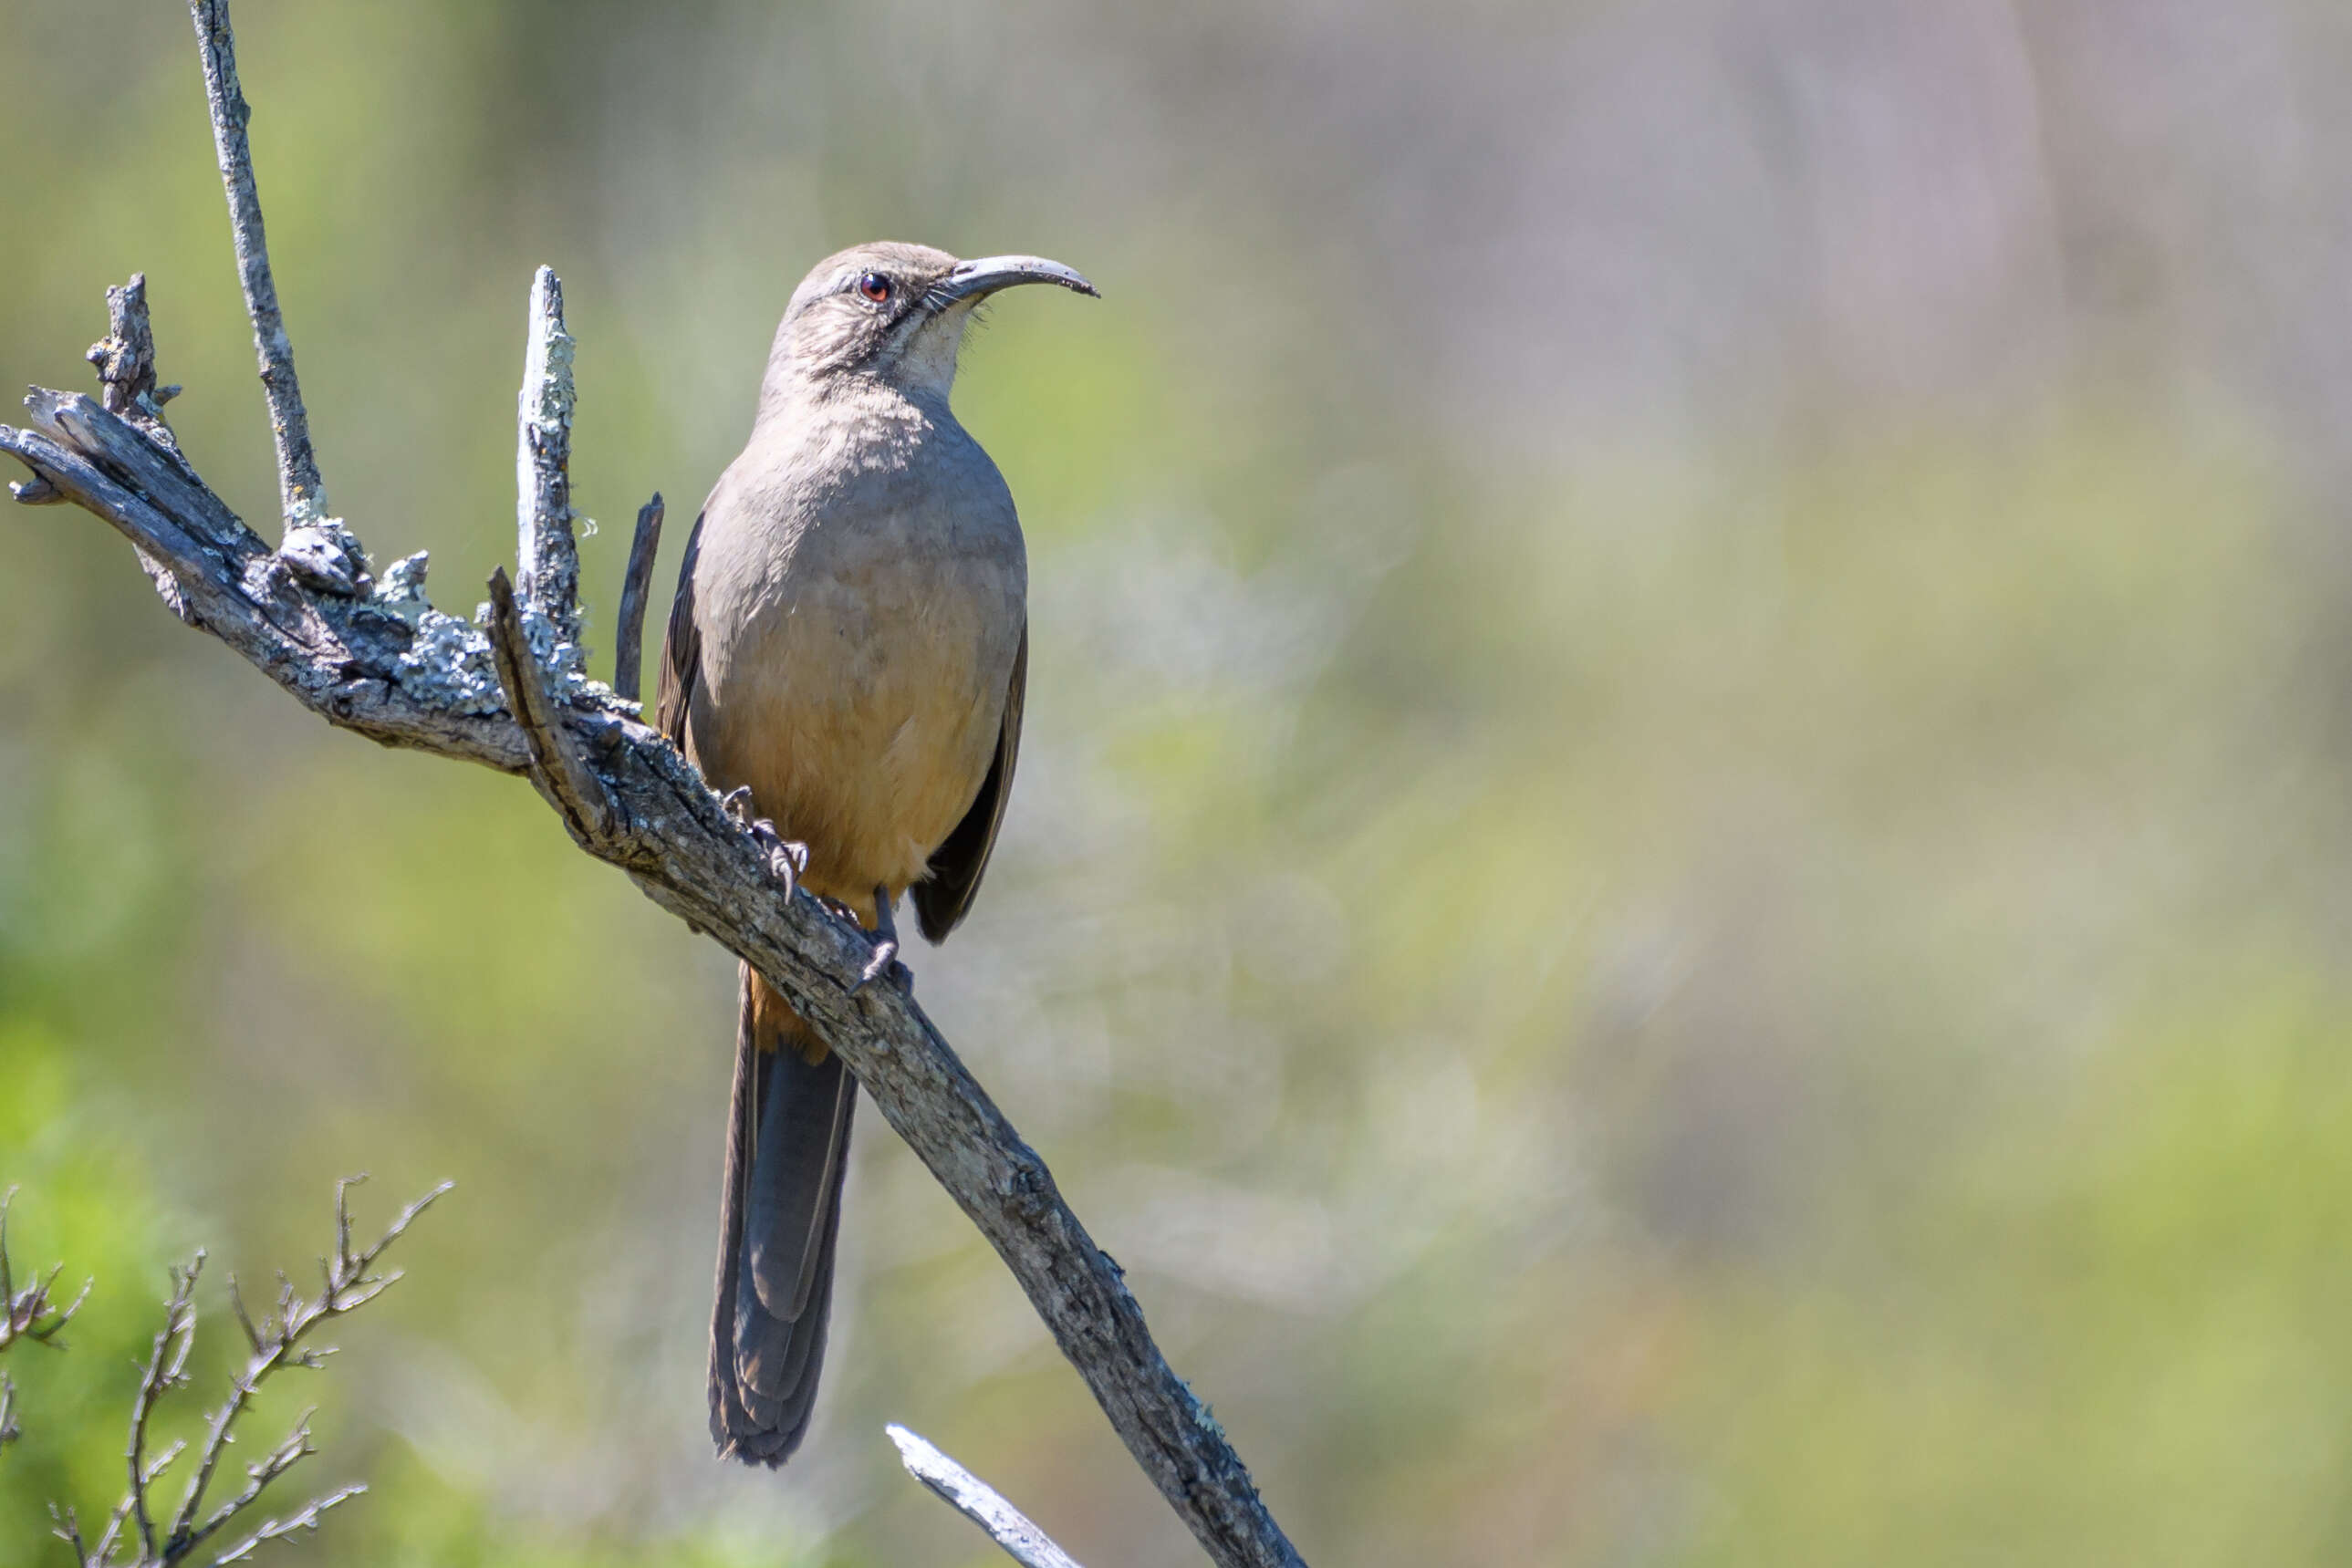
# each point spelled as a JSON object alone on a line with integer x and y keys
{"x": 302, "y": 491}
{"x": 629, "y": 642}
{"x": 979, "y": 1502}
{"x": 377, "y": 657}
{"x": 547, "y": 554}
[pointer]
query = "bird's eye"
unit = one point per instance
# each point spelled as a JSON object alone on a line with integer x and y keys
{"x": 875, "y": 287}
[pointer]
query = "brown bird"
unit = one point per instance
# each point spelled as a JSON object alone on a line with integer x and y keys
{"x": 850, "y": 644}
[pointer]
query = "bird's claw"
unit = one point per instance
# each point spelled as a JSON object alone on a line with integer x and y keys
{"x": 787, "y": 858}
{"x": 884, "y": 960}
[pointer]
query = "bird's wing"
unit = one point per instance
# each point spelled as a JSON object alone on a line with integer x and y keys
{"x": 681, "y": 664}
{"x": 943, "y": 898}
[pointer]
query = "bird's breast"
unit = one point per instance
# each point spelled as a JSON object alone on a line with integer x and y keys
{"x": 859, "y": 625}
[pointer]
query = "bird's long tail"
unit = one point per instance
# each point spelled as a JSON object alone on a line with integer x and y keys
{"x": 787, "y": 1148}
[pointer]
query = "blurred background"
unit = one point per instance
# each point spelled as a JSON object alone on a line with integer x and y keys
{"x": 1681, "y": 885}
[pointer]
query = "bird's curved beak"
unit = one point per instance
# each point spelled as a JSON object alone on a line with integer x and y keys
{"x": 972, "y": 279}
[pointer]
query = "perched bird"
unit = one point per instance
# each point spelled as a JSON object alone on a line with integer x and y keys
{"x": 849, "y": 642}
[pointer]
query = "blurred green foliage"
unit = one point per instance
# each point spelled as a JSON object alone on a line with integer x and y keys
{"x": 1677, "y": 905}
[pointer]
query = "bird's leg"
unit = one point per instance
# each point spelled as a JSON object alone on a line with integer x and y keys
{"x": 787, "y": 858}
{"x": 886, "y": 947}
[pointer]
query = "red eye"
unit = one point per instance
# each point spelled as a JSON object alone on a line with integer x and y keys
{"x": 875, "y": 287}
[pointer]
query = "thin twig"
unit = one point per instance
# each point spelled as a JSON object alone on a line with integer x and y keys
{"x": 979, "y": 1502}
{"x": 301, "y": 490}
{"x": 66, "y": 1527}
{"x": 291, "y": 1452}
{"x": 135, "y": 1537}
{"x": 276, "y": 1529}
{"x": 166, "y": 1367}
{"x": 32, "y": 1313}
{"x": 636, "y": 586}
{"x": 278, "y": 1341}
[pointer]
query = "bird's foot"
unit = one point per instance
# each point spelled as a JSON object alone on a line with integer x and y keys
{"x": 884, "y": 961}
{"x": 787, "y": 858}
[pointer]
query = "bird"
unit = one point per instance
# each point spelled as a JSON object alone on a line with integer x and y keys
{"x": 848, "y": 643}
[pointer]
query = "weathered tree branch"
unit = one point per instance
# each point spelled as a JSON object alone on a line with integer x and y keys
{"x": 379, "y": 659}
{"x": 979, "y": 1502}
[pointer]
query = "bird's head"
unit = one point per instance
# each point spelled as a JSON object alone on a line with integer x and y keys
{"x": 893, "y": 312}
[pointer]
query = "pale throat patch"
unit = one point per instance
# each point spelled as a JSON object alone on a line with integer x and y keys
{"x": 929, "y": 363}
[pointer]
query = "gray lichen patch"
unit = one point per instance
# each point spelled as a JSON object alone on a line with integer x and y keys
{"x": 450, "y": 664}
{"x": 563, "y": 662}
{"x": 447, "y": 661}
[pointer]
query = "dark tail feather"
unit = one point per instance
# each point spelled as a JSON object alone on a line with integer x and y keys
{"x": 787, "y": 1148}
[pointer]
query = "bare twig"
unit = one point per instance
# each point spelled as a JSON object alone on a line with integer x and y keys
{"x": 166, "y": 1368}
{"x": 135, "y": 1535}
{"x": 629, "y": 643}
{"x": 66, "y": 1527}
{"x": 31, "y": 1314}
{"x": 276, "y": 1529}
{"x": 300, "y": 491}
{"x": 278, "y": 1341}
{"x": 393, "y": 667}
{"x": 979, "y": 1502}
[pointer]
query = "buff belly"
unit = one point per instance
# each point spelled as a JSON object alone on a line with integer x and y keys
{"x": 863, "y": 705}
